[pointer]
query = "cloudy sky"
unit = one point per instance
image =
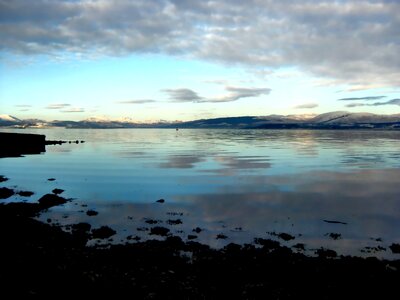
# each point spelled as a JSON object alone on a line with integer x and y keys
{"x": 188, "y": 59}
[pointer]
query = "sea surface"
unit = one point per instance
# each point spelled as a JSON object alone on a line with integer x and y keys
{"x": 333, "y": 189}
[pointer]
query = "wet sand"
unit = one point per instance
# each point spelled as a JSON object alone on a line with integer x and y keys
{"x": 44, "y": 260}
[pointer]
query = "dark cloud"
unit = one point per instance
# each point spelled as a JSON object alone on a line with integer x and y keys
{"x": 353, "y": 42}
{"x": 355, "y": 104}
{"x": 236, "y": 93}
{"x": 58, "y": 106}
{"x": 390, "y": 102}
{"x": 233, "y": 94}
{"x": 182, "y": 95}
{"x": 362, "y": 98}
{"x": 140, "y": 101}
{"x": 307, "y": 105}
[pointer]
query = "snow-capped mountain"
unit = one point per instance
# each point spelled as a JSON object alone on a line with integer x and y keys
{"x": 344, "y": 117}
{"x": 7, "y": 120}
{"x": 331, "y": 120}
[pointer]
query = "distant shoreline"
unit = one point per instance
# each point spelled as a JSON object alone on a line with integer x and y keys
{"x": 327, "y": 128}
{"x": 339, "y": 120}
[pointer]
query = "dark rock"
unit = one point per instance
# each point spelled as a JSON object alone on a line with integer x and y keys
{"x": 334, "y": 236}
{"x": 142, "y": 229}
{"x": 2, "y": 178}
{"x": 81, "y": 227}
{"x": 192, "y": 237}
{"x": 51, "y": 179}
{"x": 335, "y": 222}
{"x": 151, "y": 222}
{"x": 91, "y": 213}
{"x": 104, "y": 232}
{"x": 57, "y": 191}
{"x": 41, "y": 258}
{"x": 325, "y": 253}
{"x": 174, "y": 222}
{"x": 395, "y": 248}
{"x": 299, "y": 246}
{"x": 158, "y": 230}
{"x": 174, "y": 242}
{"x": 173, "y": 213}
{"x": 221, "y": 236}
{"x": 133, "y": 238}
{"x": 6, "y": 193}
{"x": 18, "y": 144}
{"x": 50, "y": 200}
{"x": 284, "y": 236}
{"x": 25, "y": 193}
{"x": 197, "y": 230}
{"x": 160, "y": 201}
{"x": 267, "y": 243}
{"x": 369, "y": 249}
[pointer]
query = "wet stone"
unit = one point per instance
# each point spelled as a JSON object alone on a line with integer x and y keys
{"x": 104, "y": 232}
{"x": 334, "y": 236}
{"x": 174, "y": 222}
{"x": 395, "y": 248}
{"x": 50, "y": 200}
{"x": 6, "y": 193}
{"x": 25, "y": 193}
{"x": 221, "y": 236}
{"x": 197, "y": 230}
{"x": 92, "y": 213}
{"x": 158, "y": 230}
{"x": 57, "y": 191}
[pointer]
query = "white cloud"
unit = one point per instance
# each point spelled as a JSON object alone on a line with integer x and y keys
{"x": 58, "y": 106}
{"x": 362, "y": 98}
{"x": 233, "y": 94}
{"x": 139, "y": 101}
{"x": 182, "y": 95}
{"x": 73, "y": 110}
{"x": 307, "y": 105}
{"x": 389, "y": 102}
{"x": 351, "y": 42}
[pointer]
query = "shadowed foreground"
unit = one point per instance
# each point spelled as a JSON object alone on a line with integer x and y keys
{"x": 41, "y": 259}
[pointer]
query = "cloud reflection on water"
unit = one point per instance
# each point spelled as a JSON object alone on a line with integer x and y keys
{"x": 367, "y": 200}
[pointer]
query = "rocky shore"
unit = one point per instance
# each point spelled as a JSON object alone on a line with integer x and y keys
{"x": 40, "y": 259}
{"x": 18, "y": 144}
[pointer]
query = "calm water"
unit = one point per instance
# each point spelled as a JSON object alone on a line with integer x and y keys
{"x": 240, "y": 183}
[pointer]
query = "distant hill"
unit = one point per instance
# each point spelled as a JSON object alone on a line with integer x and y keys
{"x": 331, "y": 120}
{"x": 7, "y": 120}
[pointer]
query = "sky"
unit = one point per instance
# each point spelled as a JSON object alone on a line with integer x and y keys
{"x": 152, "y": 60}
